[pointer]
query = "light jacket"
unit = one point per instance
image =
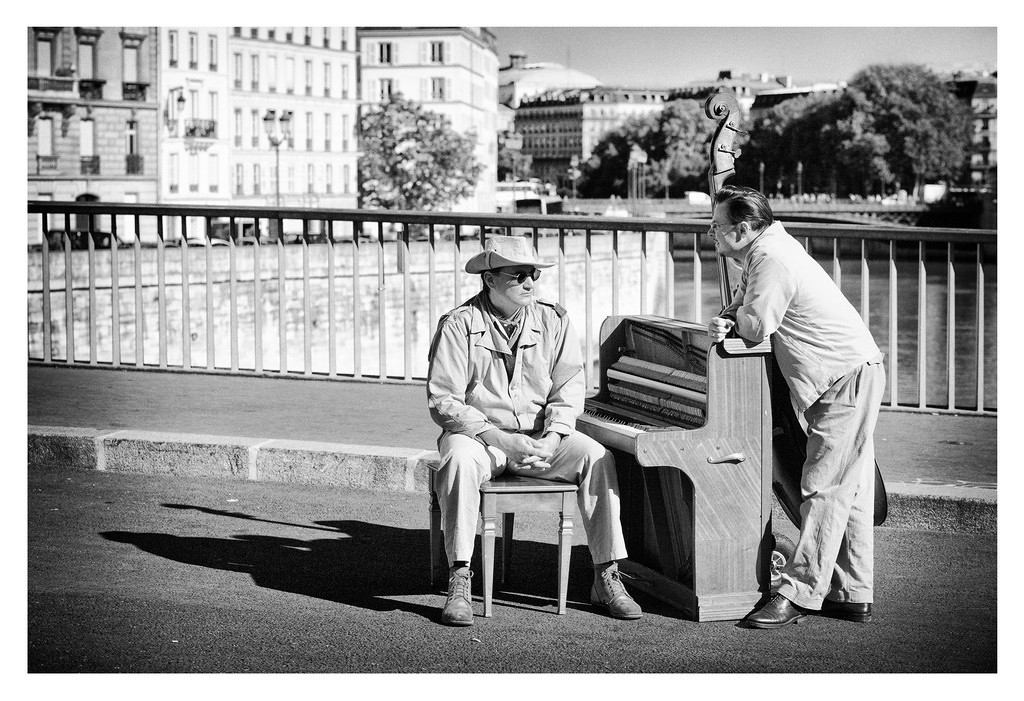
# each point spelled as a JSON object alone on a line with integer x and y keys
{"x": 468, "y": 386}
{"x": 817, "y": 335}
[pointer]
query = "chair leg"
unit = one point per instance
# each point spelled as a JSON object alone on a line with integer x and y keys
{"x": 437, "y": 554}
{"x": 507, "y": 528}
{"x": 565, "y": 547}
{"x": 487, "y": 513}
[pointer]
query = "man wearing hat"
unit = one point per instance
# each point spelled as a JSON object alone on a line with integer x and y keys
{"x": 505, "y": 385}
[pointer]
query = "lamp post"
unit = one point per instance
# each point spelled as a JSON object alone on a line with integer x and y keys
{"x": 278, "y": 130}
{"x": 173, "y": 109}
{"x": 514, "y": 144}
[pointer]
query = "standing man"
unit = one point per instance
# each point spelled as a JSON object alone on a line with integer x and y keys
{"x": 836, "y": 379}
{"x": 505, "y": 384}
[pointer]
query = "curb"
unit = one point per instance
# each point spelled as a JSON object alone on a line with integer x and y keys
{"x": 911, "y": 506}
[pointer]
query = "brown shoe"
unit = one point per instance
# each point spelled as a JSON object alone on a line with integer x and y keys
{"x": 609, "y": 593}
{"x": 778, "y": 612}
{"x": 458, "y": 609}
{"x": 846, "y": 610}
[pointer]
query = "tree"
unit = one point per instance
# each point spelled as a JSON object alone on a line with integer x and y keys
{"x": 926, "y": 128}
{"x": 675, "y": 141}
{"x": 413, "y": 159}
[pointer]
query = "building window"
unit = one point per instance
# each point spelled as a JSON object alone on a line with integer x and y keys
{"x": 238, "y": 127}
{"x": 344, "y": 132}
{"x": 193, "y": 50}
{"x": 212, "y": 48}
{"x": 308, "y": 38}
{"x": 437, "y": 52}
{"x": 309, "y": 77}
{"x": 45, "y": 42}
{"x": 193, "y": 103}
{"x": 291, "y": 178}
{"x": 254, "y": 32}
{"x": 327, "y": 79}
{"x": 214, "y": 105}
{"x": 254, "y": 62}
{"x": 272, "y": 74}
{"x": 214, "y": 172}
{"x": 310, "y": 183}
{"x": 328, "y": 187}
{"x": 344, "y": 38}
{"x": 86, "y": 57}
{"x": 172, "y": 49}
{"x": 386, "y": 88}
{"x": 384, "y": 52}
{"x": 344, "y": 81}
{"x": 345, "y": 176}
{"x": 239, "y": 179}
{"x": 193, "y": 172}
{"x": 327, "y": 132}
{"x": 272, "y": 33}
{"x": 327, "y": 37}
{"x": 255, "y": 124}
{"x": 236, "y": 59}
{"x": 87, "y": 131}
{"x": 172, "y": 173}
{"x": 437, "y": 93}
{"x": 131, "y": 63}
{"x": 309, "y": 131}
{"x": 256, "y": 179}
{"x": 289, "y": 34}
{"x": 237, "y": 31}
{"x": 289, "y": 75}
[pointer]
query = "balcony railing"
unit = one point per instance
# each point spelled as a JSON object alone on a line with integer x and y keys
{"x": 360, "y": 294}
{"x": 90, "y": 165}
{"x": 200, "y": 128}
{"x": 133, "y": 164}
{"x": 91, "y": 89}
{"x": 134, "y": 92}
{"x": 45, "y": 164}
{"x": 51, "y": 83}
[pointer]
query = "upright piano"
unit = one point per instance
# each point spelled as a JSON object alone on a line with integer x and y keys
{"x": 690, "y": 424}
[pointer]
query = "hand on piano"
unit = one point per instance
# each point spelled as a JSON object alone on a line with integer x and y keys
{"x": 719, "y": 327}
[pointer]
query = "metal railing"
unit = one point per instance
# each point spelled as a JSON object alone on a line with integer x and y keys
{"x": 357, "y": 293}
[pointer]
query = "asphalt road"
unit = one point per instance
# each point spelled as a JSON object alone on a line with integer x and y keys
{"x": 139, "y": 574}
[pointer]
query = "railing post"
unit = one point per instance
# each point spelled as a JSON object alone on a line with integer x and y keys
{"x": 115, "y": 297}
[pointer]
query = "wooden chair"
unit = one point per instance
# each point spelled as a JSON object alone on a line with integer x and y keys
{"x": 506, "y": 495}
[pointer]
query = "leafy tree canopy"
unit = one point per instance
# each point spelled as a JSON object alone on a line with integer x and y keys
{"x": 413, "y": 159}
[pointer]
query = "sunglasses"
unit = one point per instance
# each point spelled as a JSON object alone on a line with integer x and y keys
{"x": 521, "y": 277}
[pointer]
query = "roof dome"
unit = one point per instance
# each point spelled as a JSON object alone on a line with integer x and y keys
{"x": 520, "y": 79}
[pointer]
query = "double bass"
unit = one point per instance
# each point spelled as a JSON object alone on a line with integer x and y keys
{"x": 789, "y": 437}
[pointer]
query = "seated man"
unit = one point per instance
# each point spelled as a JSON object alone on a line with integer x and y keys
{"x": 506, "y": 384}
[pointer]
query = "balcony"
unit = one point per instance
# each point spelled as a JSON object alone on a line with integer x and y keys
{"x": 200, "y": 129}
{"x": 133, "y": 163}
{"x": 51, "y": 83}
{"x": 134, "y": 92}
{"x": 91, "y": 89}
{"x": 90, "y": 165}
{"x": 46, "y": 164}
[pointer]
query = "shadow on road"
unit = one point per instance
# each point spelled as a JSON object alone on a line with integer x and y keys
{"x": 362, "y": 564}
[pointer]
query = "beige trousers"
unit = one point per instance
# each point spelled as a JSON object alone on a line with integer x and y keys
{"x": 466, "y": 463}
{"x": 835, "y": 553}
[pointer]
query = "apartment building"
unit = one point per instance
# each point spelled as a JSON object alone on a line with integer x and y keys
{"x": 448, "y": 70}
{"x": 979, "y": 93}
{"x": 308, "y": 76}
{"x": 93, "y": 99}
{"x": 561, "y": 124}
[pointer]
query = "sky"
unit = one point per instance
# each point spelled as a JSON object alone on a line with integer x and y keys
{"x": 664, "y": 56}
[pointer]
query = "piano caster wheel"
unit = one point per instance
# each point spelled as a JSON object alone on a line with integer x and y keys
{"x": 781, "y": 554}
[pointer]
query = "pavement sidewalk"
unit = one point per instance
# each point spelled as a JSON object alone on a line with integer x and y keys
{"x": 143, "y": 573}
{"x": 940, "y": 470}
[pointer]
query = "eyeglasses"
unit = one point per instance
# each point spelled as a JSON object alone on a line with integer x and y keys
{"x": 521, "y": 277}
{"x": 715, "y": 226}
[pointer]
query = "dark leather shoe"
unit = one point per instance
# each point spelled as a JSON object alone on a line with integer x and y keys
{"x": 846, "y": 610}
{"x": 778, "y": 612}
{"x": 458, "y": 609}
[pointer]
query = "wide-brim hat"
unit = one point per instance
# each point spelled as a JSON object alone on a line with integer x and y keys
{"x": 505, "y": 251}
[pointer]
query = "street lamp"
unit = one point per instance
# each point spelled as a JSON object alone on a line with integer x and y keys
{"x": 278, "y": 129}
{"x": 174, "y": 108}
